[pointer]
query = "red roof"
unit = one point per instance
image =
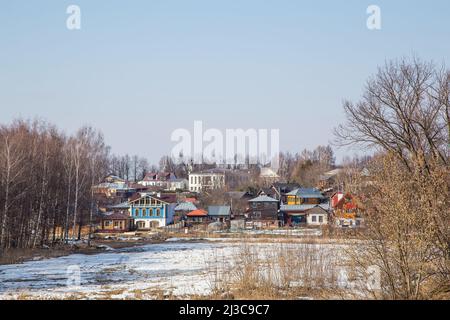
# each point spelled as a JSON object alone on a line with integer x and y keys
{"x": 198, "y": 213}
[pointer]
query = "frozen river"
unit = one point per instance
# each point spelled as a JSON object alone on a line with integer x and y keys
{"x": 155, "y": 271}
{"x": 173, "y": 267}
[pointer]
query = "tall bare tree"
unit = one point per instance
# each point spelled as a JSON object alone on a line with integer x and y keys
{"x": 403, "y": 113}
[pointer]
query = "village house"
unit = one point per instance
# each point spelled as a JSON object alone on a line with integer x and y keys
{"x": 317, "y": 216}
{"x": 304, "y": 196}
{"x": 278, "y": 190}
{"x": 301, "y": 214}
{"x": 219, "y": 213}
{"x": 177, "y": 184}
{"x": 113, "y": 187}
{"x": 151, "y": 212}
{"x": 269, "y": 191}
{"x": 268, "y": 176}
{"x": 115, "y": 222}
{"x": 296, "y": 212}
{"x": 197, "y": 216}
{"x": 206, "y": 181}
{"x": 182, "y": 209}
{"x": 238, "y": 201}
{"x": 347, "y": 210}
{"x": 165, "y": 181}
{"x": 263, "y": 212}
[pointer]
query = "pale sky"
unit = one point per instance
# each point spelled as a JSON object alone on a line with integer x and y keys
{"x": 137, "y": 70}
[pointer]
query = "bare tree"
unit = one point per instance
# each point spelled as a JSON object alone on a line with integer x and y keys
{"x": 12, "y": 162}
{"x": 404, "y": 114}
{"x": 404, "y": 110}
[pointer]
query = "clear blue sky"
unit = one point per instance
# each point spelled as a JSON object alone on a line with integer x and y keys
{"x": 137, "y": 70}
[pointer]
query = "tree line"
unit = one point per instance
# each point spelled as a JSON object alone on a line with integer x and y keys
{"x": 45, "y": 182}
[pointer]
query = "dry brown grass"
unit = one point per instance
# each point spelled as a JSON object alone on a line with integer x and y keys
{"x": 299, "y": 271}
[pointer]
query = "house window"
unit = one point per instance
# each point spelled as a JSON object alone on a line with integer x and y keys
{"x": 321, "y": 219}
{"x": 158, "y": 212}
{"x": 135, "y": 212}
{"x": 141, "y": 224}
{"x": 313, "y": 219}
{"x": 107, "y": 223}
{"x": 116, "y": 224}
{"x": 257, "y": 214}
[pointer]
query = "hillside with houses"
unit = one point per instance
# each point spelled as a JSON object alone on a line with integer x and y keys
{"x": 163, "y": 201}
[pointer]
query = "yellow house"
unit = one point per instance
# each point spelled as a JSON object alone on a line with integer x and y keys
{"x": 304, "y": 196}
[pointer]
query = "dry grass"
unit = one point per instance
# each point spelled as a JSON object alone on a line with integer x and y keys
{"x": 284, "y": 271}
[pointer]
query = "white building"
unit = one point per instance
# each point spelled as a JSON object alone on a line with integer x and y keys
{"x": 268, "y": 176}
{"x": 177, "y": 184}
{"x": 317, "y": 216}
{"x": 202, "y": 181}
{"x": 166, "y": 181}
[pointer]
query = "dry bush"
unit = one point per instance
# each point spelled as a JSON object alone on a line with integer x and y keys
{"x": 407, "y": 235}
{"x": 277, "y": 271}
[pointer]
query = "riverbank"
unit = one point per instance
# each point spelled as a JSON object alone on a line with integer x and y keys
{"x": 98, "y": 245}
{"x": 107, "y": 242}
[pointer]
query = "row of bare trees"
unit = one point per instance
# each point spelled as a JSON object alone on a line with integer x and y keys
{"x": 307, "y": 166}
{"x": 130, "y": 168}
{"x": 405, "y": 114}
{"x": 45, "y": 182}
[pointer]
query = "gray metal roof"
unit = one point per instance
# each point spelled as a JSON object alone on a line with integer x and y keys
{"x": 304, "y": 207}
{"x": 108, "y": 185}
{"x": 122, "y": 205}
{"x": 219, "y": 210}
{"x": 186, "y": 206}
{"x": 263, "y": 198}
{"x": 306, "y": 193}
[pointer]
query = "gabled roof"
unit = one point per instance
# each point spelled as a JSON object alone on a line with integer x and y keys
{"x": 219, "y": 210}
{"x": 123, "y": 205}
{"x": 317, "y": 210}
{"x": 168, "y": 197}
{"x": 186, "y": 206}
{"x": 304, "y": 207}
{"x": 147, "y": 196}
{"x": 263, "y": 198}
{"x": 115, "y": 216}
{"x": 197, "y": 213}
{"x": 306, "y": 193}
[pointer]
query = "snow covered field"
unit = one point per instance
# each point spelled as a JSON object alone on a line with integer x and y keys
{"x": 175, "y": 267}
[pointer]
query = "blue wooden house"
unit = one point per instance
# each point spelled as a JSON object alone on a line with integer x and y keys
{"x": 151, "y": 212}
